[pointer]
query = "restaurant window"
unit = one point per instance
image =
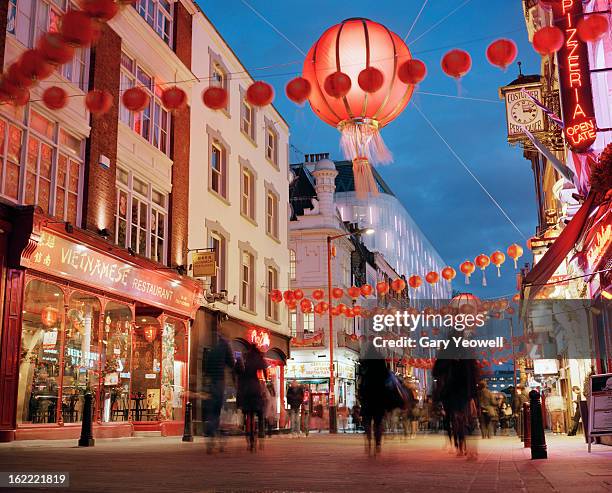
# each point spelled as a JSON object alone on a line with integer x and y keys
{"x": 27, "y": 20}
{"x": 141, "y": 217}
{"x": 158, "y": 14}
{"x": 292, "y": 264}
{"x": 152, "y": 123}
{"x": 218, "y": 169}
{"x": 247, "y": 278}
{"x": 247, "y": 189}
{"x": 272, "y": 283}
{"x": 309, "y": 323}
{"x": 271, "y": 144}
{"x": 218, "y": 244}
{"x": 39, "y": 363}
{"x": 42, "y": 164}
{"x": 116, "y": 363}
{"x": 272, "y": 214}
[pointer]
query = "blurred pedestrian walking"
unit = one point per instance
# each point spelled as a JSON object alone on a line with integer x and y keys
{"x": 487, "y": 412}
{"x": 251, "y": 372}
{"x": 218, "y": 359}
{"x": 295, "y": 398}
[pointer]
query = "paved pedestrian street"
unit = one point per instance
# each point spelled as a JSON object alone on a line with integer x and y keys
{"x": 319, "y": 462}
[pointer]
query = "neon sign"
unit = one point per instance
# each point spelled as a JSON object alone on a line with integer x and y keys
{"x": 260, "y": 338}
{"x": 574, "y": 78}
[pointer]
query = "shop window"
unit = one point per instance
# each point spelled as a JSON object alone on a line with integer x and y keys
{"x": 174, "y": 370}
{"x": 152, "y": 123}
{"x": 82, "y": 358}
{"x": 146, "y": 370}
{"x": 53, "y": 162}
{"x": 115, "y": 400}
{"x": 39, "y": 362}
{"x": 141, "y": 217}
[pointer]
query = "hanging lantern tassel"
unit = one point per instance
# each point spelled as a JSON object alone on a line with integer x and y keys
{"x": 467, "y": 278}
{"x": 365, "y": 184}
{"x": 484, "y": 278}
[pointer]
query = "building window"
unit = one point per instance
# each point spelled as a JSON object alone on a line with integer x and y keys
{"x": 271, "y": 307}
{"x": 271, "y": 145}
{"x": 247, "y": 282}
{"x": 152, "y": 123}
{"x": 247, "y": 119}
{"x": 292, "y": 320}
{"x": 219, "y": 245}
{"x": 42, "y": 165}
{"x": 141, "y": 217}
{"x": 272, "y": 214}
{"x": 247, "y": 189}
{"x": 158, "y": 14}
{"x": 28, "y": 19}
{"x": 309, "y": 323}
{"x": 218, "y": 169}
{"x": 292, "y": 265}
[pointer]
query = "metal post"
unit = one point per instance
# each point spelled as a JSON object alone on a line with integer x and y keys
{"x": 332, "y": 395}
{"x": 538, "y": 440}
{"x": 188, "y": 429}
{"x": 526, "y": 425}
{"x": 87, "y": 439}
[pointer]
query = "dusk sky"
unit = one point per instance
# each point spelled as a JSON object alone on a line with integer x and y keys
{"x": 449, "y": 206}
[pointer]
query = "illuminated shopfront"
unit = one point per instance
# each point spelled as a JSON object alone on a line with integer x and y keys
{"x": 94, "y": 322}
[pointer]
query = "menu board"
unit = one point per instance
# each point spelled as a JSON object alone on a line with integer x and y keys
{"x": 600, "y": 406}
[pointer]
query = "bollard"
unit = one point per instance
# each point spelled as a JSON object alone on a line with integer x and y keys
{"x": 87, "y": 439}
{"x": 188, "y": 430}
{"x": 538, "y": 439}
{"x": 526, "y": 425}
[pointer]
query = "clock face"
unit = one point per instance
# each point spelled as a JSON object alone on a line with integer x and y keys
{"x": 524, "y": 111}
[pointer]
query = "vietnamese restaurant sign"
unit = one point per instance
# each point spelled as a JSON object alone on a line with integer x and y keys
{"x": 575, "y": 78}
{"x": 61, "y": 257}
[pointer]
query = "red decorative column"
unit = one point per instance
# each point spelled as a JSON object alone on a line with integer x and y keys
{"x": 100, "y": 190}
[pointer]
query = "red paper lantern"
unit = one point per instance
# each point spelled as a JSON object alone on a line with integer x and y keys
{"x": 516, "y": 298}
{"x": 33, "y": 65}
{"x": 448, "y": 273}
{"x": 501, "y": 52}
{"x": 306, "y": 305}
{"x": 415, "y": 281}
{"x": 337, "y": 293}
{"x": 54, "y": 49}
{"x": 215, "y": 98}
{"x": 348, "y": 312}
{"x": 174, "y": 98}
{"x": 291, "y": 305}
{"x": 259, "y": 94}
{"x": 456, "y": 63}
{"x": 548, "y": 40}
{"x": 467, "y": 268}
{"x": 357, "y": 310}
{"x": 398, "y": 285}
{"x": 354, "y": 292}
{"x": 15, "y": 77}
{"x": 98, "y": 101}
{"x": 298, "y": 90}
{"x": 298, "y": 294}
{"x": 318, "y": 294}
{"x": 370, "y": 79}
{"x": 337, "y": 85}
{"x": 498, "y": 258}
{"x": 321, "y": 307}
{"x": 335, "y": 311}
{"x": 593, "y": 27}
{"x": 22, "y": 97}
{"x": 382, "y": 287}
{"x": 149, "y": 332}
{"x": 49, "y": 316}
{"x": 77, "y": 28}
{"x": 276, "y": 296}
{"x": 412, "y": 71}
{"x": 288, "y": 296}
{"x": 366, "y": 290}
{"x": 102, "y": 10}
{"x": 432, "y": 277}
{"x": 55, "y": 98}
{"x": 135, "y": 99}
{"x": 515, "y": 252}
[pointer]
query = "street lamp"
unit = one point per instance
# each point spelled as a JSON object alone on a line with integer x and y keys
{"x": 332, "y": 396}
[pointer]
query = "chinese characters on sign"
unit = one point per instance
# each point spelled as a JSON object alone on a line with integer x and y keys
{"x": 574, "y": 78}
{"x": 204, "y": 264}
{"x": 63, "y": 257}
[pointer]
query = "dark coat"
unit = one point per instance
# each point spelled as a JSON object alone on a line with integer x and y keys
{"x": 373, "y": 373}
{"x": 219, "y": 357}
{"x": 295, "y": 396}
{"x": 456, "y": 383}
{"x": 251, "y": 396}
